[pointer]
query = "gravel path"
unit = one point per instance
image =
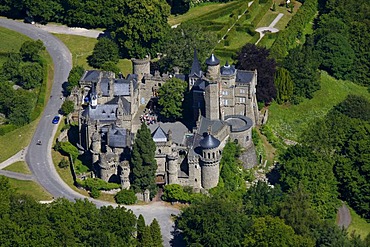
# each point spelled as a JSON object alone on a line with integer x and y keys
{"x": 52, "y": 28}
{"x": 343, "y": 217}
{"x": 16, "y": 175}
{"x": 270, "y": 28}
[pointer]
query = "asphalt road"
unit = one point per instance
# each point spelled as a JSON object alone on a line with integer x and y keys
{"x": 38, "y": 157}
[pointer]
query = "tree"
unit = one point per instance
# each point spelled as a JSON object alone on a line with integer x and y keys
{"x": 303, "y": 63}
{"x": 355, "y": 106}
{"x": 252, "y": 57}
{"x": 284, "y": 85}
{"x": 231, "y": 168}
{"x": 179, "y": 47}
{"x": 74, "y": 77}
{"x": 127, "y": 197}
{"x": 21, "y": 108}
{"x": 175, "y": 193}
{"x": 213, "y": 222}
{"x": 104, "y": 51}
{"x": 30, "y": 50}
{"x": 31, "y": 75}
{"x": 155, "y": 232}
{"x": 67, "y": 107}
{"x": 171, "y": 95}
{"x": 179, "y": 6}
{"x": 143, "y": 164}
{"x": 302, "y": 167}
{"x": 140, "y": 228}
{"x": 261, "y": 199}
{"x": 10, "y": 68}
{"x": 337, "y": 55}
{"x": 111, "y": 66}
{"x": 272, "y": 231}
{"x": 141, "y": 27}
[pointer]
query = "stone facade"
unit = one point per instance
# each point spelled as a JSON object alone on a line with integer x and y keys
{"x": 224, "y": 107}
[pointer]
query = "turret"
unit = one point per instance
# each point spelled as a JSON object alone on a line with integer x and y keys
{"x": 125, "y": 180}
{"x": 213, "y": 67}
{"x": 210, "y": 161}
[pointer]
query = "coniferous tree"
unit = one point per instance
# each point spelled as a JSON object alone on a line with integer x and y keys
{"x": 143, "y": 164}
{"x": 140, "y": 227}
{"x": 284, "y": 85}
{"x": 155, "y": 232}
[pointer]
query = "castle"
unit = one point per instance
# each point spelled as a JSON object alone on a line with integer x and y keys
{"x": 223, "y": 104}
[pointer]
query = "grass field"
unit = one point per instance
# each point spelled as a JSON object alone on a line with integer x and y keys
{"x": 82, "y": 47}
{"x": 289, "y": 121}
{"x": 30, "y": 188}
{"x": 358, "y": 225}
{"x": 198, "y": 11}
{"x": 20, "y": 167}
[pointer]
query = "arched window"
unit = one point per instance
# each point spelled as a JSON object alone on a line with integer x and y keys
{"x": 213, "y": 155}
{"x": 209, "y": 155}
{"x": 159, "y": 151}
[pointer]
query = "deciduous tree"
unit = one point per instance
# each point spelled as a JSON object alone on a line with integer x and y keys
{"x": 171, "y": 96}
{"x": 104, "y": 51}
{"x": 252, "y": 57}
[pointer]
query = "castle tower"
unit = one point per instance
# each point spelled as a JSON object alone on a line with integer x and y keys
{"x": 108, "y": 165}
{"x": 210, "y": 161}
{"x": 95, "y": 146}
{"x": 125, "y": 179}
{"x": 141, "y": 67}
{"x": 213, "y": 68}
{"x": 212, "y": 101}
{"x": 172, "y": 169}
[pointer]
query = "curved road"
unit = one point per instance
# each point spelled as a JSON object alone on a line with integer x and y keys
{"x": 38, "y": 157}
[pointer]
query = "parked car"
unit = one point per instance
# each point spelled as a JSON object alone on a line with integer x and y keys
{"x": 56, "y": 120}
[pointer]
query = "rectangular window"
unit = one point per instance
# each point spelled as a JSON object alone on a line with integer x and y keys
{"x": 242, "y": 91}
{"x": 225, "y": 92}
{"x": 242, "y": 100}
{"x": 225, "y": 102}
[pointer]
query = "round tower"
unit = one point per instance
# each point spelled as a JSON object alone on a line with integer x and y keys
{"x": 213, "y": 67}
{"x": 172, "y": 170}
{"x": 95, "y": 146}
{"x": 210, "y": 161}
{"x": 141, "y": 67}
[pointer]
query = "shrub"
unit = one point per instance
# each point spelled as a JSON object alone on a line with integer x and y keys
{"x": 175, "y": 193}
{"x": 127, "y": 197}
{"x": 64, "y": 163}
{"x": 99, "y": 184}
{"x": 95, "y": 193}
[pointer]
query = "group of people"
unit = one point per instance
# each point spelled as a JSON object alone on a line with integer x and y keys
{"x": 148, "y": 117}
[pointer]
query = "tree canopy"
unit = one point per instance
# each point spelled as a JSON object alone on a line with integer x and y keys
{"x": 171, "y": 95}
{"x": 252, "y": 57}
{"x": 179, "y": 45}
{"x": 104, "y": 51}
{"x": 141, "y": 27}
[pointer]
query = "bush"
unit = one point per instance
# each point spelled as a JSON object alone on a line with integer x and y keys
{"x": 67, "y": 107}
{"x": 64, "y": 163}
{"x": 175, "y": 193}
{"x": 99, "y": 184}
{"x": 127, "y": 197}
{"x": 95, "y": 193}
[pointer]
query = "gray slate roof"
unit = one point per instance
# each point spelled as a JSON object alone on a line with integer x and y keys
{"x": 238, "y": 123}
{"x": 243, "y": 76}
{"x": 227, "y": 69}
{"x": 178, "y": 130}
{"x": 209, "y": 142}
{"x": 204, "y": 124}
{"x": 196, "y": 69}
{"x": 91, "y": 76}
{"x": 105, "y": 112}
{"x": 212, "y": 60}
{"x": 159, "y": 135}
{"x": 117, "y": 137}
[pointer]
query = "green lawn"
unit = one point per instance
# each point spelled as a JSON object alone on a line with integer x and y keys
{"x": 289, "y": 121}
{"x": 193, "y": 13}
{"x": 81, "y": 47}
{"x": 30, "y": 188}
{"x": 11, "y": 41}
{"x": 358, "y": 225}
{"x": 19, "y": 166}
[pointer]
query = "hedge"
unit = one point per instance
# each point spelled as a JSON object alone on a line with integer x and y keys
{"x": 261, "y": 13}
{"x": 287, "y": 38}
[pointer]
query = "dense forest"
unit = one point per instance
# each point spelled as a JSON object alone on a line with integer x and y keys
{"x": 26, "y": 222}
